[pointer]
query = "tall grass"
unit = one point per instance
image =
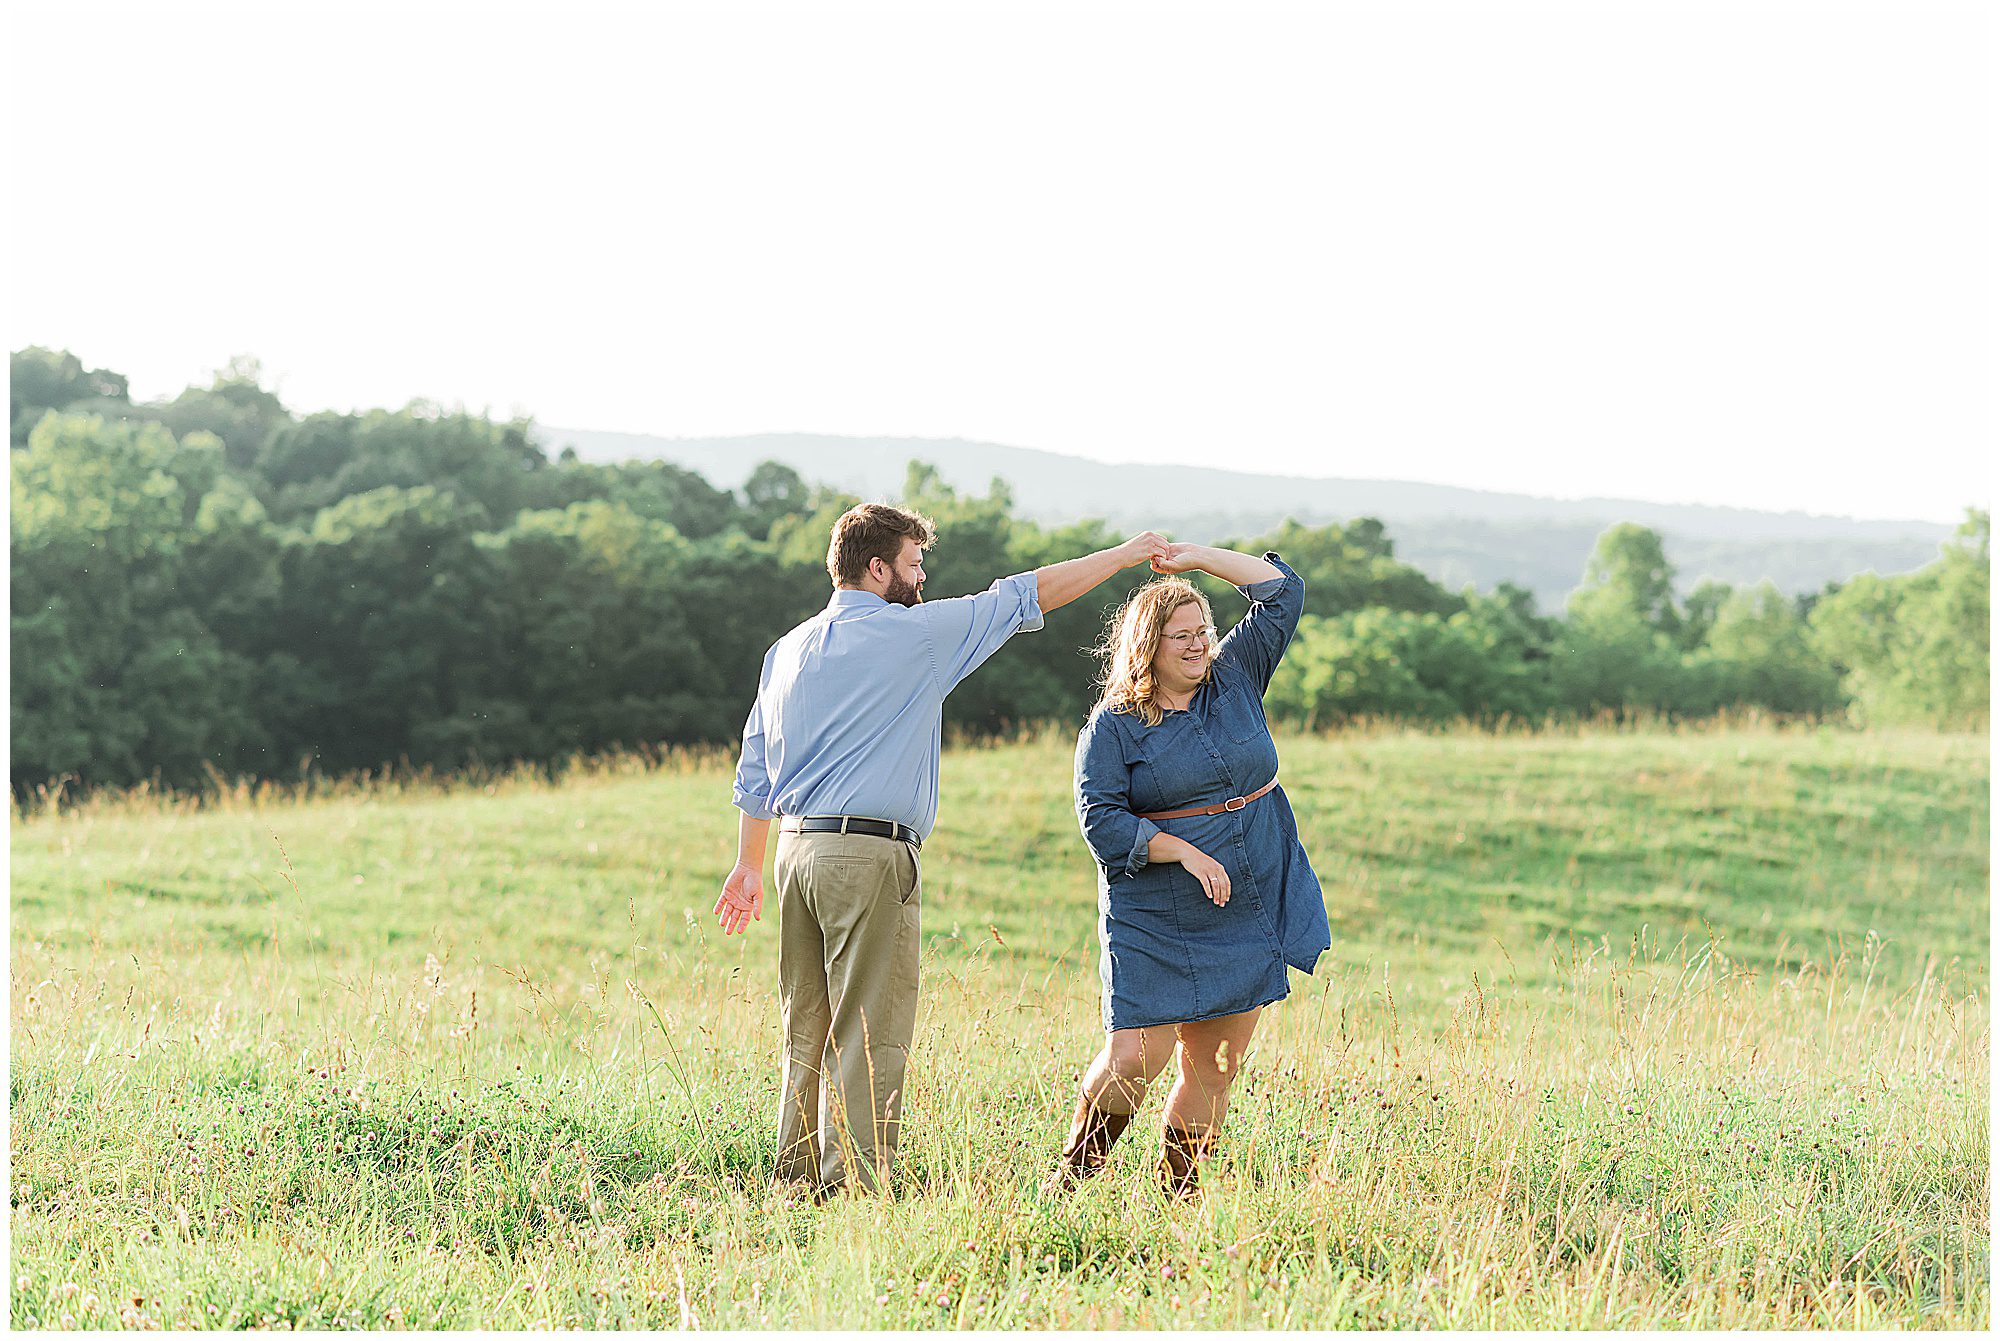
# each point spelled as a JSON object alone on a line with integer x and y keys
{"x": 1621, "y": 1029}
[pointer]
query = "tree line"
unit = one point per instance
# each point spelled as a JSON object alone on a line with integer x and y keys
{"x": 214, "y": 586}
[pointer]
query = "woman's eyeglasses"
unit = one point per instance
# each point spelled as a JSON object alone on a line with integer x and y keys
{"x": 1180, "y": 642}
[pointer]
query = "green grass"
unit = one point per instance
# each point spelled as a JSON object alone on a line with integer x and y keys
{"x": 1646, "y": 1029}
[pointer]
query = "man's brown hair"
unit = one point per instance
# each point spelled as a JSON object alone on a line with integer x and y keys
{"x": 873, "y": 531}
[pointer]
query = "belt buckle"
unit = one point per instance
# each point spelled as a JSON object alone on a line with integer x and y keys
{"x": 1235, "y": 803}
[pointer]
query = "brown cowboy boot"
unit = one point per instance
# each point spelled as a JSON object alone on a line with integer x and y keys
{"x": 1084, "y": 1154}
{"x": 1180, "y": 1154}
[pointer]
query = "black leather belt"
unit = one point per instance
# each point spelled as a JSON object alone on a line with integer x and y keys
{"x": 873, "y": 828}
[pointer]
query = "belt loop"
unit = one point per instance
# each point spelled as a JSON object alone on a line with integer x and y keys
{"x": 843, "y": 826}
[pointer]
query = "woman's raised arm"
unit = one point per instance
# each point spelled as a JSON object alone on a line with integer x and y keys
{"x": 1277, "y": 597}
{"x": 1238, "y": 570}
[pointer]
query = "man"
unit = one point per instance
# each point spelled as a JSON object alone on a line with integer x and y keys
{"x": 842, "y": 743}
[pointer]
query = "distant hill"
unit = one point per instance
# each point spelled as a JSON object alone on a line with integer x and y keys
{"x": 1457, "y": 536}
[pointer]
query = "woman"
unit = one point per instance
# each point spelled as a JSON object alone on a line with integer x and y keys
{"x": 1204, "y": 892}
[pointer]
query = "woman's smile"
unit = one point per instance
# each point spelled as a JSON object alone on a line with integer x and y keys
{"x": 1185, "y": 650}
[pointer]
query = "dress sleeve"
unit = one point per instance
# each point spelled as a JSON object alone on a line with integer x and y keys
{"x": 1117, "y": 837}
{"x": 752, "y": 790}
{"x": 1258, "y": 641}
{"x": 965, "y": 630}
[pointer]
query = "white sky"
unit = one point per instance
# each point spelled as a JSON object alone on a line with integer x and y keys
{"x": 1736, "y": 257}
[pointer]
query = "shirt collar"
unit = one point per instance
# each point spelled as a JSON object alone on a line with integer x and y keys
{"x": 848, "y": 598}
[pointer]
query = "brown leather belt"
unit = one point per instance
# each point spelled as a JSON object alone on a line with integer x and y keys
{"x": 1232, "y": 804}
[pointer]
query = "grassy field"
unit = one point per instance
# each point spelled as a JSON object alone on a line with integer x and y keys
{"x": 1645, "y": 1029}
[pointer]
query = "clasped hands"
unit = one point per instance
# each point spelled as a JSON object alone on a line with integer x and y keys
{"x": 1164, "y": 556}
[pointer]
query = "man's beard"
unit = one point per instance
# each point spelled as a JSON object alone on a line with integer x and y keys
{"x": 902, "y": 591}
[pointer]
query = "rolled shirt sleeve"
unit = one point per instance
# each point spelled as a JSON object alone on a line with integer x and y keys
{"x": 1258, "y": 642}
{"x": 1117, "y": 837}
{"x": 752, "y": 789}
{"x": 966, "y": 630}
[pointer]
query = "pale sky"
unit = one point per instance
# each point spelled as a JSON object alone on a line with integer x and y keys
{"x": 1733, "y": 257}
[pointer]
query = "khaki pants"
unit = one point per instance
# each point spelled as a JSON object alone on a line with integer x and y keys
{"x": 848, "y": 937}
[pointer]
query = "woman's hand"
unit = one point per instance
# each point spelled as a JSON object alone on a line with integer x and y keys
{"x": 1180, "y": 557}
{"x": 1214, "y": 880}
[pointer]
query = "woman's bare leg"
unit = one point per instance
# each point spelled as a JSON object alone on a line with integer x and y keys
{"x": 1117, "y": 1077}
{"x": 1114, "y": 1085}
{"x": 1211, "y": 1053}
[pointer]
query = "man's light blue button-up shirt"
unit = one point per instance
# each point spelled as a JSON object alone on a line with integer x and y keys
{"x": 849, "y": 714}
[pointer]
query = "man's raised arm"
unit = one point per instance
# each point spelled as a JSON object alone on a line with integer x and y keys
{"x": 1060, "y": 583}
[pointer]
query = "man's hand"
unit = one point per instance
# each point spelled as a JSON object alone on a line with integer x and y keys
{"x": 1180, "y": 558}
{"x": 1143, "y": 547}
{"x": 741, "y": 900}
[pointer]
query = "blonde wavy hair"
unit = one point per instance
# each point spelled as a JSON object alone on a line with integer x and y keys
{"x": 1132, "y": 637}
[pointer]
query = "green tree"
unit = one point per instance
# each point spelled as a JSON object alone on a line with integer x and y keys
{"x": 1372, "y": 663}
{"x": 1951, "y": 608}
{"x": 385, "y": 622}
{"x": 1351, "y": 567}
{"x": 1628, "y": 581}
{"x": 1515, "y": 645}
{"x": 326, "y": 458}
{"x": 234, "y": 407}
{"x": 1619, "y": 648}
{"x": 1703, "y": 604}
{"x": 1766, "y": 658}
{"x": 40, "y": 380}
{"x": 115, "y": 674}
{"x": 1917, "y": 648}
{"x": 601, "y": 650}
{"x": 773, "y": 492}
{"x": 297, "y": 464}
{"x": 657, "y": 490}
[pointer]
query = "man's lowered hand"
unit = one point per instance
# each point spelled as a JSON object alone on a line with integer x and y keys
{"x": 741, "y": 901}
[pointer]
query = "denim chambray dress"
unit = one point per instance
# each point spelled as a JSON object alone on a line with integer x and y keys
{"x": 1168, "y": 954}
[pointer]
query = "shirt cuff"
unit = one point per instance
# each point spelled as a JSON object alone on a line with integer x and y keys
{"x": 1138, "y": 858}
{"x": 1031, "y": 602}
{"x": 755, "y": 807}
{"x": 1260, "y": 592}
